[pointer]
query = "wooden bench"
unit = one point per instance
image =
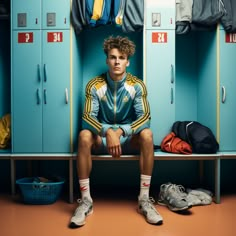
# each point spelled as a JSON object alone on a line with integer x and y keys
{"x": 158, "y": 155}
{"x": 162, "y": 156}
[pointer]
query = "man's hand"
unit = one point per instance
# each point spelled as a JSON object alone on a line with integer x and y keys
{"x": 113, "y": 142}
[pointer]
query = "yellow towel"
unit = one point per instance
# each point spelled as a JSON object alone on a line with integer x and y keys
{"x": 5, "y": 130}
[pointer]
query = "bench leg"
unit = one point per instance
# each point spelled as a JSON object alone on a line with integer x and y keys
{"x": 13, "y": 177}
{"x": 201, "y": 171}
{"x": 217, "y": 180}
{"x": 71, "y": 192}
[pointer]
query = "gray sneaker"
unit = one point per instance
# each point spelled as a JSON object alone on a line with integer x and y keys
{"x": 84, "y": 209}
{"x": 146, "y": 208}
{"x": 174, "y": 197}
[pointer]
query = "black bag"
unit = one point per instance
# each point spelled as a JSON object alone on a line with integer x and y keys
{"x": 197, "y": 135}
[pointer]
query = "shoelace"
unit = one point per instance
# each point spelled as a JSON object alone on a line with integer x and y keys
{"x": 149, "y": 204}
{"x": 83, "y": 205}
{"x": 178, "y": 190}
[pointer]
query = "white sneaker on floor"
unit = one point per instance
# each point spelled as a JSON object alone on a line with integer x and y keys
{"x": 84, "y": 209}
{"x": 146, "y": 208}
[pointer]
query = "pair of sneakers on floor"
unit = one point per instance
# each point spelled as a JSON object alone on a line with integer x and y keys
{"x": 145, "y": 207}
{"x": 171, "y": 195}
{"x": 177, "y": 199}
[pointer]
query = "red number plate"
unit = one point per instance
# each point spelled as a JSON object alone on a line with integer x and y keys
{"x": 55, "y": 37}
{"x": 230, "y": 38}
{"x": 25, "y": 37}
{"x": 159, "y": 37}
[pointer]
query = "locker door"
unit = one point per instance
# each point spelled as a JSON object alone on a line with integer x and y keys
{"x": 56, "y": 14}
{"x": 26, "y": 14}
{"x": 160, "y": 54}
{"x": 56, "y": 89}
{"x": 227, "y": 87}
{"x": 26, "y": 92}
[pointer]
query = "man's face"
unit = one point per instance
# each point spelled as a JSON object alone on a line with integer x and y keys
{"x": 117, "y": 63}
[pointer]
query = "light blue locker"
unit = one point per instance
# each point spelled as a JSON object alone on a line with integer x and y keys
{"x": 26, "y": 94}
{"x": 26, "y": 14}
{"x": 40, "y": 88}
{"x": 41, "y": 77}
{"x": 160, "y": 81}
{"x": 56, "y": 93}
{"x": 58, "y": 10}
{"x": 40, "y": 14}
{"x": 227, "y": 92}
{"x": 160, "y": 66}
{"x": 159, "y": 16}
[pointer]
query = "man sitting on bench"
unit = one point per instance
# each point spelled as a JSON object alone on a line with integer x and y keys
{"x": 116, "y": 121}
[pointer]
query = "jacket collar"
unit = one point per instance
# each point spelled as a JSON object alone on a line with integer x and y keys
{"x": 115, "y": 84}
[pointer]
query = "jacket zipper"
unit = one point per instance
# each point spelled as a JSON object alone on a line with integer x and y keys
{"x": 115, "y": 106}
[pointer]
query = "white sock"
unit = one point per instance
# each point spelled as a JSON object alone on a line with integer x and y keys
{"x": 145, "y": 181}
{"x": 85, "y": 188}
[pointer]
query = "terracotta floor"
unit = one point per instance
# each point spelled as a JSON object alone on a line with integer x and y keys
{"x": 115, "y": 217}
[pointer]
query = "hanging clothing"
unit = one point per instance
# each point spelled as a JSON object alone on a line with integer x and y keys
{"x": 106, "y": 13}
{"x": 118, "y": 12}
{"x": 183, "y": 16}
{"x": 207, "y": 12}
{"x": 96, "y": 11}
{"x": 78, "y": 15}
{"x": 228, "y": 21}
{"x": 127, "y": 14}
{"x": 133, "y": 18}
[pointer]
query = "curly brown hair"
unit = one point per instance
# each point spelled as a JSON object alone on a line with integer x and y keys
{"x": 123, "y": 44}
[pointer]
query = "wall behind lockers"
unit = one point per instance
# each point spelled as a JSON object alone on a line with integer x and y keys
{"x": 5, "y": 67}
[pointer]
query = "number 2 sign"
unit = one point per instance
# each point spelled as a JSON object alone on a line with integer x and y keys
{"x": 159, "y": 37}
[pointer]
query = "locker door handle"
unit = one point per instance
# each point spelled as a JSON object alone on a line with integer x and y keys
{"x": 38, "y": 97}
{"x": 45, "y": 72}
{"x": 171, "y": 96}
{"x": 45, "y": 96}
{"x": 172, "y": 74}
{"x": 66, "y": 94}
{"x": 39, "y": 73}
{"x": 223, "y": 94}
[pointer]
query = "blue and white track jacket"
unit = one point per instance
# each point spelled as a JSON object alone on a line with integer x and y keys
{"x": 114, "y": 104}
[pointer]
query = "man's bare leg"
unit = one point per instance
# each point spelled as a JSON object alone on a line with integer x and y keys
{"x": 84, "y": 167}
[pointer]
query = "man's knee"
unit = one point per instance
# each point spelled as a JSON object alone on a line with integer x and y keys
{"x": 85, "y": 137}
{"x": 146, "y": 135}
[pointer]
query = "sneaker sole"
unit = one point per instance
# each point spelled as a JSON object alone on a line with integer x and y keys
{"x": 159, "y": 222}
{"x": 74, "y": 225}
